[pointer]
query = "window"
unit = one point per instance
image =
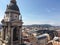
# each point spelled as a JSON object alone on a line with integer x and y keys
{"x": 15, "y": 16}
{"x": 15, "y": 37}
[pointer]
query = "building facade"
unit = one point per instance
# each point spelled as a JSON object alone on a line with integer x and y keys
{"x": 12, "y": 25}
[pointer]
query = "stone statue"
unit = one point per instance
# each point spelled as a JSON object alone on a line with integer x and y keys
{"x": 7, "y": 39}
{"x": 13, "y": 0}
{"x": 20, "y": 17}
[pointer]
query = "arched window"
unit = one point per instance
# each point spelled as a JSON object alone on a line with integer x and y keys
{"x": 15, "y": 37}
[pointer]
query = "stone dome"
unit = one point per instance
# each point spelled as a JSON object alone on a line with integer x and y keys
{"x": 12, "y": 6}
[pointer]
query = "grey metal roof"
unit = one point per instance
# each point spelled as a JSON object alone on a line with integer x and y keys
{"x": 41, "y": 36}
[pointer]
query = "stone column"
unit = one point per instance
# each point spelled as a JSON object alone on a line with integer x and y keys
{"x": 6, "y": 33}
{"x": 20, "y": 31}
{"x": 11, "y": 36}
{"x": 3, "y": 33}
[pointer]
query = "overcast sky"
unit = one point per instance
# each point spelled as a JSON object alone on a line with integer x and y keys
{"x": 36, "y": 11}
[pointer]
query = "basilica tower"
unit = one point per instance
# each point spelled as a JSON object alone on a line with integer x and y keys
{"x": 12, "y": 25}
